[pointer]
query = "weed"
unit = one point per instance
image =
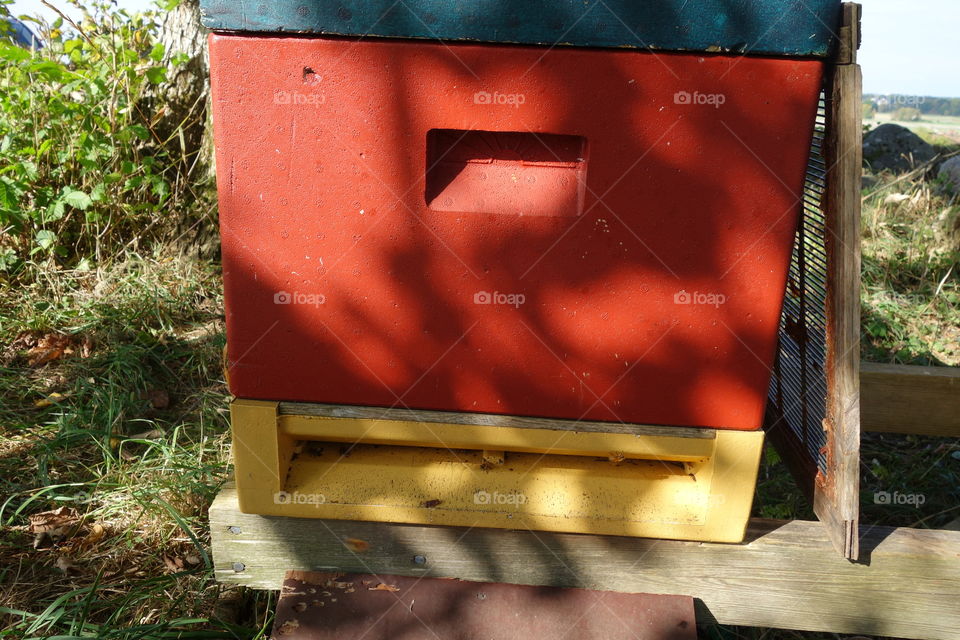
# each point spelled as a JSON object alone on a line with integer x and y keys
{"x": 82, "y": 172}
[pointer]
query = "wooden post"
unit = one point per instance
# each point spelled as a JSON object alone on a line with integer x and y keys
{"x": 836, "y": 492}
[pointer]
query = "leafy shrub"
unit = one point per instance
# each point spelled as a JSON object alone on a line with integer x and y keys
{"x": 79, "y": 168}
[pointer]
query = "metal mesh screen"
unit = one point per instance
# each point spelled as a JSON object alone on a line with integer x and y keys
{"x": 798, "y": 389}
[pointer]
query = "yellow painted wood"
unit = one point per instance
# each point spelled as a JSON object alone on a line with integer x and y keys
{"x": 261, "y": 454}
{"x": 493, "y": 457}
{"x": 733, "y": 474}
{"x": 530, "y": 491}
{"x": 466, "y": 436}
{"x": 702, "y": 490}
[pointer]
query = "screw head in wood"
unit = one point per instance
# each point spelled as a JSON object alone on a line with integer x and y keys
{"x": 419, "y": 560}
{"x": 239, "y": 566}
{"x": 234, "y": 530}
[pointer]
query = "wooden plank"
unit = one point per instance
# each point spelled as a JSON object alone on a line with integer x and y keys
{"x": 910, "y": 399}
{"x": 460, "y": 436}
{"x": 848, "y": 41}
{"x": 785, "y": 575}
{"x": 776, "y": 27}
{"x": 486, "y": 419}
{"x": 837, "y": 489}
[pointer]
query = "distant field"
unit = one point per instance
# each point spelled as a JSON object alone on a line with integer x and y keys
{"x": 946, "y": 126}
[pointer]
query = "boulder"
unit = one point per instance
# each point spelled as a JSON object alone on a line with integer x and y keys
{"x": 950, "y": 173}
{"x": 891, "y": 147}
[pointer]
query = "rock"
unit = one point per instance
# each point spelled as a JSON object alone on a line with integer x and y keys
{"x": 950, "y": 173}
{"x": 891, "y": 147}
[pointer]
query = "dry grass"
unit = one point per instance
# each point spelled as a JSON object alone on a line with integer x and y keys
{"x": 133, "y": 448}
{"x": 911, "y": 279}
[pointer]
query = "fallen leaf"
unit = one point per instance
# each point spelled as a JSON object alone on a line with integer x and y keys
{"x": 49, "y": 348}
{"x": 384, "y": 587}
{"x": 356, "y": 545}
{"x": 52, "y": 521}
{"x": 92, "y": 538}
{"x": 39, "y": 539}
{"x": 173, "y": 564}
{"x": 66, "y": 565}
{"x": 159, "y": 399}
{"x": 86, "y": 347}
{"x": 97, "y": 532}
{"x": 192, "y": 559}
{"x": 51, "y": 399}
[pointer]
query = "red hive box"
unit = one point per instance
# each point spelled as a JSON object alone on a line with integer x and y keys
{"x": 595, "y": 234}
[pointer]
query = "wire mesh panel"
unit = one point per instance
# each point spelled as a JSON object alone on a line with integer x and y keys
{"x": 813, "y": 415}
{"x": 799, "y": 388}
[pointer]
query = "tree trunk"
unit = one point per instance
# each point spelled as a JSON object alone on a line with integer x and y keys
{"x": 179, "y": 112}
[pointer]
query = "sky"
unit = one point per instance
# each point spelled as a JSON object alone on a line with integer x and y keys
{"x": 909, "y": 46}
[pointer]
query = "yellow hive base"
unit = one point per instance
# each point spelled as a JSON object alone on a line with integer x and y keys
{"x": 654, "y": 484}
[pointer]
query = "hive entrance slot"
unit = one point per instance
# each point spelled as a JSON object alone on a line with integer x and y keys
{"x": 505, "y": 172}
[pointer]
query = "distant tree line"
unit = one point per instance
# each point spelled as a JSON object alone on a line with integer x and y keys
{"x": 927, "y": 105}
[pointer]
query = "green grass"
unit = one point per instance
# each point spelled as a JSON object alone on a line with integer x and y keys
{"x": 911, "y": 281}
{"x": 141, "y": 474}
{"x": 911, "y": 315}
